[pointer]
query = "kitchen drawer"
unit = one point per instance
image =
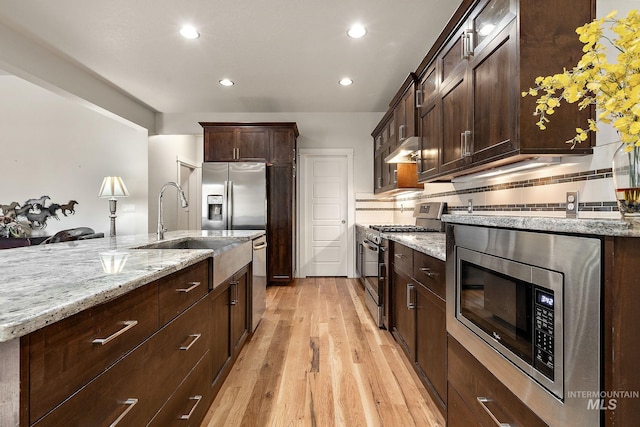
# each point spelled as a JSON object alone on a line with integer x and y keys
{"x": 403, "y": 258}
{"x": 488, "y": 399}
{"x": 430, "y": 272}
{"x": 64, "y": 356}
{"x": 180, "y": 290}
{"x": 135, "y": 388}
{"x": 190, "y": 402}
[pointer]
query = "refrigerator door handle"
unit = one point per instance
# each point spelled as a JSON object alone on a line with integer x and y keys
{"x": 230, "y": 205}
{"x": 225, "y": 207}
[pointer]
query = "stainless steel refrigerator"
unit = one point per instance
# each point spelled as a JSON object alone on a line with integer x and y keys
{"x": 234, "y": 196}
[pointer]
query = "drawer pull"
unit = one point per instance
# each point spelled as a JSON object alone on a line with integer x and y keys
{"x": 190, "y": 288}
{"x": 427, "y": 271}
{"x": 130, "y": 404}
{"x": 127, "y": 325}
{"x": 483, "y": 402}
{"x": 197, "y": 399}
{"x": 195, "y": 337}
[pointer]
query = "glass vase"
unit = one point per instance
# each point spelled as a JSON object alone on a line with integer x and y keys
{"x": 626, "y": 180}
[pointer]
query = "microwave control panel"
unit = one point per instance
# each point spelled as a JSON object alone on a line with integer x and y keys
{"x": 543, "y": 330}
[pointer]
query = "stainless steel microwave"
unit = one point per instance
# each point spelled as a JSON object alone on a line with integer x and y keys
{"x": 527, "y": 306}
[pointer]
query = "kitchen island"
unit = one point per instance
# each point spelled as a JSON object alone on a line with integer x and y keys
{"x": 51, "y": 289}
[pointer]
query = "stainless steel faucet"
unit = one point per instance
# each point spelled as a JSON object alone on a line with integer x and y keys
{"x": 183, "y": 201}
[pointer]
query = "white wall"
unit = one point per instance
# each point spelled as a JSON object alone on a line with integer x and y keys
{"x": 164, "y": 151}
{"x": 54, "y": 146}
{"x": 317, "y": 130}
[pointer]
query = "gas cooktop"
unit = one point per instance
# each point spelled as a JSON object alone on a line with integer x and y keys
{"x": 401, "y": 228}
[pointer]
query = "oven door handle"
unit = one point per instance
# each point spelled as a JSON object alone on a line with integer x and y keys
{"x": 368, "y": 246}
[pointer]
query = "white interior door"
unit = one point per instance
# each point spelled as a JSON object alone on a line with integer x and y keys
{"x": 325, "y": 214}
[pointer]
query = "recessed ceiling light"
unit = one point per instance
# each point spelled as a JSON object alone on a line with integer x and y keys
{"x": 357, "y": 31}
{"x": 189, "y": 32}
{"x": 346, "y": 81}
{"x": 226, "y": 82}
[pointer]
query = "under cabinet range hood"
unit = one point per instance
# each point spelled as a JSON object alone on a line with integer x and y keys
{"x": 406, "y": 152}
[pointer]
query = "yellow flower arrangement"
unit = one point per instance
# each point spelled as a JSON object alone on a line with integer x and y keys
{"x": 614, "y": 88}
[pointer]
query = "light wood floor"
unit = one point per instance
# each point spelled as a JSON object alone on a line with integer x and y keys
{"x": 317, "y": 359}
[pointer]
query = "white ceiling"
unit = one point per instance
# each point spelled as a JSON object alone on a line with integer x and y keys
{"x": 284, "y": 55}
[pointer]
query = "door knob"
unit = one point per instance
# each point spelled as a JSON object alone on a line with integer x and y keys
{"x": 343, "y": 221}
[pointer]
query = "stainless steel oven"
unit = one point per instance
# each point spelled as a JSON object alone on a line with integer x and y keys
{"x": 527, "y": 306}
{"x": 371, "y": 273}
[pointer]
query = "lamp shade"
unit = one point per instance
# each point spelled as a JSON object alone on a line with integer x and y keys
{"x": 113, "y": 186}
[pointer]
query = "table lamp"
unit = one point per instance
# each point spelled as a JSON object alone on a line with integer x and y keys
{"x": 112, "y": 187}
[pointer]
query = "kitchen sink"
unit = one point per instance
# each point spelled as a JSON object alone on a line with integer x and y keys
{"x": 235, "y": 253}
{"x": 190, "y": 244}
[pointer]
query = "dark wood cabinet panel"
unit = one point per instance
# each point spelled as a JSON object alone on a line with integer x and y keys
{"x": 220, "y": 323}
{"x": 181, "y": 289}
{"x": 63, "y": 356}
{"x": 137, "y": 386}
{"x": 404, "y": 321}
{"x": 458, "y": 413}
{"x": 189, "y": 404}
{"x": 621, "y": 317}
{"x": 482, "y": 393}
{"x": 418, "y": 317}
{"x": 431, "y": 343}
{"x": 252, "y": 144}
{"x": 280, "y": 223}
{"x": 488, "y": 53}
{"x": 282, "y": 149}
{"x": 456, "y": 133}
{"x": 240, "y": 314}
{"x": 219, "y": 144}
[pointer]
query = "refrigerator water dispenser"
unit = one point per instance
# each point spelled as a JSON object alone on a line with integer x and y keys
{"x": 214, "y": 203}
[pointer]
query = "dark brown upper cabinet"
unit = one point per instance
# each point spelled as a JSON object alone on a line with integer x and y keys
{"x": 470, "y": 114}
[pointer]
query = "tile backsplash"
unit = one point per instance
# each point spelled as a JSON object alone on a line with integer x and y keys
{"x": 537, "y": 193}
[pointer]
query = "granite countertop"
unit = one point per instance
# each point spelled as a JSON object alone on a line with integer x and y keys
{"x": 42, "y": 284}
{"x": 598, "y": 227}
{"x": 433, "y": 244}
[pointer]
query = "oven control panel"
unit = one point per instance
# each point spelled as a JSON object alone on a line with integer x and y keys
{"x": 543, "y": 330}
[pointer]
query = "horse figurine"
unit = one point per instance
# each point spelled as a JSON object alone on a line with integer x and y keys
{"x": 39, "y": 202}
{"x": 23, "y": 210}
{"x": 68, "y": 207}
{"x": 52, "y": 210}
{"x": 7, "y": 209}
{"x": 40, "y": 218}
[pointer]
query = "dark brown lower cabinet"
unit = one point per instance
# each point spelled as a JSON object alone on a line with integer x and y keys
{"x": 134, "y": 389}
{"x": 419, "y": 317}
{"x": 480, "y": 398}
{"x": 155, "y": 356}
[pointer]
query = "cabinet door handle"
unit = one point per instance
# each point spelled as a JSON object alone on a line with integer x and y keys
{"x": 419, "y": 96}
{"x": 467, "y": 44}
{"x": 399, "y": 256}
{"x": 195, "y": 337}
{"x": 190, "y": 288}
{"x": 127, "y": 325}
{"x": 401, "y": 136}
{"x": 427, "y": 271}
{"x": 130, "y": 404}
{"x": 234, "y": 293}
{"x": 197, "y": 399}
{"x": 395, "y": 176}
{"x": 410, "y": 303}
{"x": 464, "y": 144}
{"x": 483, "y": 402}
